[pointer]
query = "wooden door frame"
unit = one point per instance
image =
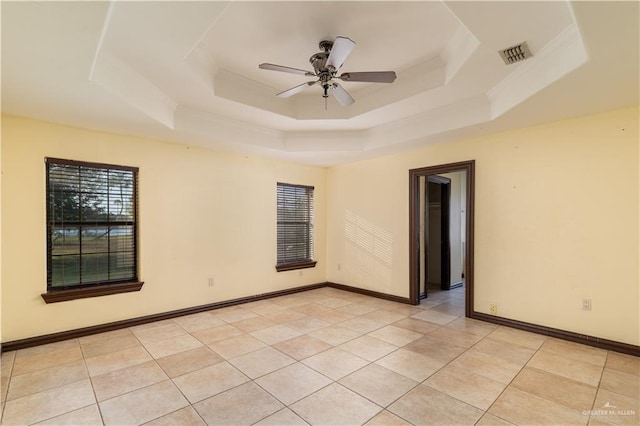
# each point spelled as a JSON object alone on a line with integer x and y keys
{"x": 414, "y": 227}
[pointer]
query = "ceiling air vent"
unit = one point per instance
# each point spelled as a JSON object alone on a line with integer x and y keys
{"x": 516, "y": 53}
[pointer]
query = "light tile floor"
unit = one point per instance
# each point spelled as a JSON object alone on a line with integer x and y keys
{"x": 320, "y": 357}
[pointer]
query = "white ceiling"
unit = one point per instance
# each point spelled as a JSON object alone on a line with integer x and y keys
{"x": 188, "y": 71}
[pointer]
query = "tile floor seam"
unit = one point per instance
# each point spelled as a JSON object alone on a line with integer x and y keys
{"x": 398, "y": 415}
{"x": 144, "y": 347}
{"x": 578, "y": 382}
{"x": 353, "y": 372}
{"x": 595, "y": 396}
{"x": 9, "y": 378}
{"x": 249, "y": 379}
{"x": 458, "y": 356}
{"x": 400, "y": 397}
{"x": 4, "y": 401}
{"x": 450, "y": 396}
{"x": 549, "y": 399}
{"x": 358, "y": 393}
{"x": 297, "y": 400}
{"x": 362, "y": 381}
{"x": 604, "y": 366}
{"x": 58, "y": 415}
{"x": 181, "y": 392}
{"x": 494, "y": 415}
{"x": 510, "y": 382}
{"x": 44, "y": 390}
{"x": 308, "y": 366}
{"x": 130, "y": 391}
{"x": 84, "y": 361}
{"x": 374, "y": 416}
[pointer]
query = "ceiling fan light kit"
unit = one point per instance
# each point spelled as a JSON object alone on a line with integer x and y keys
{"x": 325, "y": 66}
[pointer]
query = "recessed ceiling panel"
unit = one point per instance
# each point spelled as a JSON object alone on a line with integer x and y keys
{"x": 388, "y": 35}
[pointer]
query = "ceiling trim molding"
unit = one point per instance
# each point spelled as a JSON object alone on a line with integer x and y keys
{"x": 465, "y": 113}
{"x": 202, "y": 66}
{"x": 117, "y": 77}
{"x": 457, "y": 52}
{"x": 227, "y": 130}
{"x": 325, "y": 141}
{"x": 237, "y": 88}
{"x": 565, "y": 53}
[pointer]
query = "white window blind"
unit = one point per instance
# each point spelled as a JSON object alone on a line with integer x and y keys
{"x": 295, "y": 226}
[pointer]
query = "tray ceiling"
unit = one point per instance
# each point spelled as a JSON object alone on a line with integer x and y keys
{"x": 188, "y": 71}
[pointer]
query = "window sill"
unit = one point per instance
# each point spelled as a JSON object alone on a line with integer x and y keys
{"x": 294, "y": 266}
{"x": 95, "y": 291}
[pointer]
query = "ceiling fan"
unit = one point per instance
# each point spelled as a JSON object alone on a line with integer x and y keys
{"x": 325, "y": 65}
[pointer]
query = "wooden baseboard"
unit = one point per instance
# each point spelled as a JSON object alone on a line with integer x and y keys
{"x": 371, "y": 293}
{"x": 457, "y": 284}
{"x": 584, "y": 339}
{"x": 102, "y": 328}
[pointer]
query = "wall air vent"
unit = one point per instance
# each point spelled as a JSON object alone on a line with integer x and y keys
{"x": 516, "y": 53}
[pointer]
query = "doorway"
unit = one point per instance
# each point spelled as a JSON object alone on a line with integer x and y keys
{"x": 441, "y": 205}
{"x": 434, "y": 210}
{"x": 437, "y": 237}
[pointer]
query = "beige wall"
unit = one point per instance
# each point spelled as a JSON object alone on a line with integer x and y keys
{"x": 202, "y": 213}
{"x": 556, "y": 220}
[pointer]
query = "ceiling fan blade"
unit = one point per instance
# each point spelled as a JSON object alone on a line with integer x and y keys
{"x": 370, "y": 76}
{"x": 273, "y": 67}
{"x": 341, "y": 95}
{"x": 342, "y": 46}
{"x": 299, "y": 88}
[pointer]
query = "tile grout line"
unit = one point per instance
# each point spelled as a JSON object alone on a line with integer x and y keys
{"x": 595, "y": 397}
{"x": 93, "y": 389}
{"x": 332, "y": 381}
{"x": 597, "y": 387}
{"x": 155, "y": 361}
{"x": 368, "y": 363}
{"x": 49, "y": 389}
{"x": 539, "y": 349}
{"x": 9, "y": 378}
{"x": 509, "y": 384}
{"x": 190, "y": 404}
{"x": 450, "y": 362}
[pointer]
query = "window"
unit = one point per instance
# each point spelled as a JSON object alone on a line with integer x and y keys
{"x": 295, "y": 227}
{"x": 91, "y": 229}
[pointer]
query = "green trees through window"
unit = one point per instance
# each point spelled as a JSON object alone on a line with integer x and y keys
{"x": 91, "y": 224}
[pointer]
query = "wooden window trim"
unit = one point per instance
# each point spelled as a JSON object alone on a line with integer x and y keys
{"x": 294, "y": 266}
{"x": 81, "y": 291}
{"x": 92, "y": 291}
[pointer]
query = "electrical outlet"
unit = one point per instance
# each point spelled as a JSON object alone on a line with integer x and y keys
{"x": 586, "y": 304}
{"x": 493, "y": 308}
{"x": 339, "y": 267}
{"x": 211, "y": 281}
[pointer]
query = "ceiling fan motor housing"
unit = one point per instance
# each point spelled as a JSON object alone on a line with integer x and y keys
{"x": 319, "y": 61}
